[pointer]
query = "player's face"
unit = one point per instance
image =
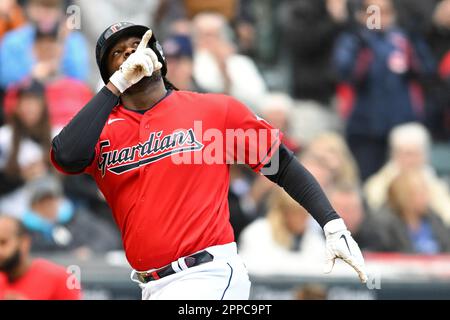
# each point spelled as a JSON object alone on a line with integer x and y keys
{"x": 120, "y": 52}
{"x": 10, "y": 244}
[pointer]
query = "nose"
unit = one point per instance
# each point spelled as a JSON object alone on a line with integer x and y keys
{"x": 129, "y": 51}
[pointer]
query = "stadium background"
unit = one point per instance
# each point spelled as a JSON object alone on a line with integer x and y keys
{"x": 361, "y": 89}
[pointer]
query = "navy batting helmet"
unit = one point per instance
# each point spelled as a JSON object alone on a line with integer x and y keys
{"x": 113, "y": 34}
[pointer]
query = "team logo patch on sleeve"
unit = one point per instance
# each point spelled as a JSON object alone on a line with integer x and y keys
{"x": 157, "y": 147}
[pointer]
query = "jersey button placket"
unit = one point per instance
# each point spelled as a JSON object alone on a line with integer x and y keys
{"x": 144, "y": 131}
{"x": 144, "y": 134}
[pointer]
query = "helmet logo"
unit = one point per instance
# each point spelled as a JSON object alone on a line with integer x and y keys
{"x": 116, "y": 27}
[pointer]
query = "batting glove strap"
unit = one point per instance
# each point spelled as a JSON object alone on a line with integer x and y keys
{"x": 119, "y": 81}
{"x": 334, "y": 226}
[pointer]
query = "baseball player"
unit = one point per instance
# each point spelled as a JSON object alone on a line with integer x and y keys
{"x": 173, "y": 215}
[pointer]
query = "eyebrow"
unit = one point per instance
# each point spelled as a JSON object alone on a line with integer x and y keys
{"x": 115, "y": 48}
{"x": 117, "y": 45}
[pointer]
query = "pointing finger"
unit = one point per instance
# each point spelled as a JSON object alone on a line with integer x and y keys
{"x": 145, "y": 39}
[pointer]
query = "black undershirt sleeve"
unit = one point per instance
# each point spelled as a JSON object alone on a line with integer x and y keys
{"x": 302, "y": 186}
{"x": 74, "y": 147}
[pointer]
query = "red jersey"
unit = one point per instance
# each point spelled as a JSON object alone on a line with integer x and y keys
{"x": 44, "y": 280}
{"x": 165, "y": 208}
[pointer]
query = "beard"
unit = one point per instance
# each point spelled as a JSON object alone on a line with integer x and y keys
{"x": 11, "y": 263}
{"x": 144, "y": 83}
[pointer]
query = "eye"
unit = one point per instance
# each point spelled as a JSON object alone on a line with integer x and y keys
{"x": 116, "y": 53}
{"x": 136, "y": 43}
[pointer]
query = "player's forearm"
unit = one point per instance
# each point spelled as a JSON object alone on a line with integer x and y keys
{"x": 302, "y": 187}
{"x": 74, "y": 147}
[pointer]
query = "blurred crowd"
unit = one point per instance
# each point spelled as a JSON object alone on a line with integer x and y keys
{"x": 361, "y": 89}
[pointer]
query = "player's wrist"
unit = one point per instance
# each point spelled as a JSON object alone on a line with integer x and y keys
{"x": 335, "y": 225}
{"x": 111, "y": 87}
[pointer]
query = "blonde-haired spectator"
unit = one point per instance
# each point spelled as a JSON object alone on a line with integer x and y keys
{"x": 318, "y": 168}
{"x": 409, "y": 150}
{"x": 407, "y": 223}
{"x": 285, "y": 241}
{"x": 331, "y": 150}
{"x": 217, "y": 66}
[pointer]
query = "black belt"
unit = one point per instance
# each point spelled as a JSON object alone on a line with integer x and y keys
{"x": 190, "y": 261}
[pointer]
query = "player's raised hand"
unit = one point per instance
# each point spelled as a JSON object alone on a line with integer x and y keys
{"x": 341, "y": 245}
{"x": 142, "y": 63}
{"x": 156, "y": 64}
{"x": 145, "y": 39}
{"x": 143, "y": 47}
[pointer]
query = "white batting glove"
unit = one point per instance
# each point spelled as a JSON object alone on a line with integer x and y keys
{"x": 141, "y": 63}
{"x": 340, "y": 244}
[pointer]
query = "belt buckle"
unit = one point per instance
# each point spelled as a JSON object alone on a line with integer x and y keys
{"x": 143, "y": 276}
{"x": 147, "y": 276}
{"x": 184, "y": 263}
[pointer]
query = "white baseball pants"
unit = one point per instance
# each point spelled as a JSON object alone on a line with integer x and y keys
{"x": 224, "y": 278}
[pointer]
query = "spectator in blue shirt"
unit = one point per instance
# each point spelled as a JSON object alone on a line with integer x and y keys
{"x": 384, "y": 67}
{"x": 407, "y": 224}
{"x": 16, "y": 49}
